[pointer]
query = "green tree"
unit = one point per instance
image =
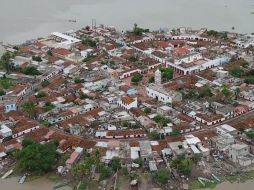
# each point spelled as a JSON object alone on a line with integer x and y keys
{"x": 182, "y": 165}
{"x": 37, "y": 158}
{"x": 29, "y": 107}
{"x": 31, "y": 70}
{"x": 41, "y": 94}
{"x": 48, "y": 106}
{"x": 147, "y": 110}
{"x": 78, "y": 80}
{"x": 89, "y": 42}
{"x": 44, "y": 83}
{"x": 237, "y": 92}
{"x": 167, "y": 74}
{"x": 105, "y": 172}
{"x": 36, "y": 58}
{"x": 236, "y": 72}
{"x": 154, "y": 135}
{"x": 5, "y": 62}
{"x": 175, "y": 133}
{"x": 49, "y": 52}
{"x": 205, "y": 92}
{"x": 162, "y": 176}
{"x": 116, "y": 163}
{"x": 151, "y": 79}
{"x": 136, "y": 78}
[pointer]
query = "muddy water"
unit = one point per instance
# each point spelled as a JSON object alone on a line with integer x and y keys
{"x": 24, "y": 19}
{"x": 248, "y": 185}
{"x": 38, "y": 184}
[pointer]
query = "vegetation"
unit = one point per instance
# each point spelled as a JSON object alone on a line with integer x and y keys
{"x": 212, "y": 33}
{"x": 154, "y": 135}
{"x": 48, "y": 106}
{"x": 89, "y": 42}
{"x": 136, "y": 78}
{"x": 105, "y": 172}
{"x": 116, "y": 163}
{"x": 29, "y": 108}
{"x": 78, "y": 80}
{"x": 162, "y": 176}
{"x": 30, "y": 158}
{"x": 250, "y": 135}
{"x": 147, "y": 110}
{"x": 31, "y": 70}
{"x": 41, "y": 94}
{"x": 6, "y": 63}
{"x": 133, "y": 58}
{"x": 2, "y": 92}
{"x": 175, "y": 133}
{"x": 5, "y": 82}
{"x": 138, "y": 31}
{"x": 88, "y": 58}
{"x": 151, "y": 79}
{"x": 49, "y": 52}
{"x": 182, "y": 165}
{"x": 205, "y": 92}
{"x": 163, "y": 121}
{"x": 237, "y": 72}
{"x": 36, "y": 58}
{"x": 167, "y": 74}
{"x": 44, "y": 83}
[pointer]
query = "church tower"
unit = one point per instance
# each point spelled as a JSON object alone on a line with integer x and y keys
{"x": 157, "y": 77}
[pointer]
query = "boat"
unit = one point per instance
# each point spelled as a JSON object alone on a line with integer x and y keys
{"x": 216, "y": 178}
{"x": 7, "y": 174}
{"x": 22, "y": 179}
{"x": 61, "y": 184}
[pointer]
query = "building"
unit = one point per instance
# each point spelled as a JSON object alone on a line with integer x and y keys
{"x": 163, "y": 95}
{"x": 157, "y": 77}
{"x": 128, "y": 102}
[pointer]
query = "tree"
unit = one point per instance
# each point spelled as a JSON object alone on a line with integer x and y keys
{"x": 139, "y": 161}
{"x": 138, "y": 31}
{"x": 182, "y": 165}
{"x": 245, "y": 64}
{"x": 89, "y": 42}
{"x": 44, "y": 83}
{"x": 5, "y": 61}
{"x": 147, "y": 110}
{"x": 41, "y": 94}
{"x": 78, "y": 80}
{"x": 105, "y": 172}
{"x": 36, "y": 58}
{"x": 49, "y": 52}
{"x": 48, "y": 106}
{"x": 29, "y": 107}
{"x": 116, "y": 163}
{"x": 151, "y": 79}
{"x": 161, "y": 120}
{"x": 162, "y": 176}
{"x": 237, "y": 92}
{"x": 37, "y": 158}
{"x": 154, "y": 135}
{"x": 2, "y": 92}
{"x": 175, "y": 133}
{"x": 236, "y": 72}
{"x": 167, "y": 74}
{"x": 31, "y": 70}
{"x": 136, "y": 78}
{"x": 205, "y": 92}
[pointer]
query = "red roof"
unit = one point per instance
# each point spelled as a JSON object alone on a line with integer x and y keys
{"x": 61, "y": 51}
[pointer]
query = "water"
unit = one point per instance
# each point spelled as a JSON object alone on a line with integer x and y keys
{"x": 248, "y": 185}
{"x": 38, "y": 184}
{"x": 24, "y": 19}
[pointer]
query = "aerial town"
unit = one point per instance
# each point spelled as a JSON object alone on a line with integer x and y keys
{"x": 139, "y": 109}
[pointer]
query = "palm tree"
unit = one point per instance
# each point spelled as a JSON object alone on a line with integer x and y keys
{"x": 29, "y": 107}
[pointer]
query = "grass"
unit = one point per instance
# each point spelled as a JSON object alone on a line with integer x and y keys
{"x": 231, "y": 179}
{"x": 32, "y": 177}
{"x": 54, "y": 178}
{"x": 197, "y": 185}
{"x": 83, "y": 186}
{"x": 250, "y": 174}
{"x": 5, "y": 82}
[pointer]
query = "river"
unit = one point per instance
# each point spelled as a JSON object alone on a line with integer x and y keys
{"x": 38, "y": 184}
{"x": 24, "y": 19}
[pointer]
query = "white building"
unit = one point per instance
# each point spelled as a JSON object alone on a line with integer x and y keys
{"x": 157, "y": 77}
{"x": 128, "y": 102}
{"x": 162, "y": 95}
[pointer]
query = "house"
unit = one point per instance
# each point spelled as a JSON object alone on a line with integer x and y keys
{"x": 239, "y": 153}
{"x": 5, "y": 132}
{"x": 74, "y": 157}
{"x": 223, "y": 141}
{"x": 225, "y": 128}
{"x": 127, "y": 102}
